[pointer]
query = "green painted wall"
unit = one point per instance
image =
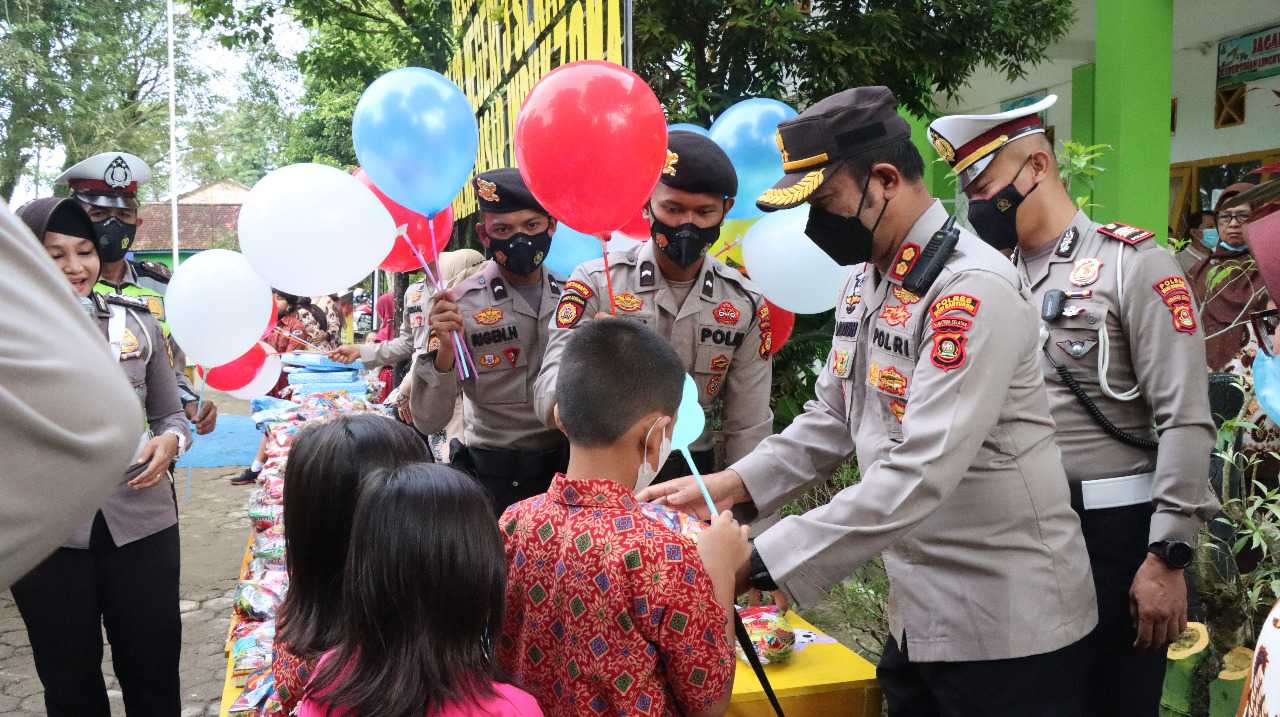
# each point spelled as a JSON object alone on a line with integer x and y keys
{"x": 1082, "y": 97}
{"x": 936, "y": 173}
{"x": 1131, "y": 109}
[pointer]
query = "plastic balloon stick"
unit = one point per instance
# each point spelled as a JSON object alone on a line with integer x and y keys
{"x": 702, "y": 485}
{"x": 291, "y": 337}
{"x": 463, "y": 362}
{"x": 608, "y": 278}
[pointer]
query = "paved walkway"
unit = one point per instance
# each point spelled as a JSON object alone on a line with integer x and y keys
{"x": 213, "y": 526}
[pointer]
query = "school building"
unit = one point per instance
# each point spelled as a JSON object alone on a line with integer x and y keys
{"x": 1186, "y": 93}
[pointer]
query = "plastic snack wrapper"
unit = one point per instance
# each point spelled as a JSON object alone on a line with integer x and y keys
{"x": 258, "y": 599}
{"x": 770, "y": 632}
{"x": 253, "y": 651}
{"x": 259, "y": 688}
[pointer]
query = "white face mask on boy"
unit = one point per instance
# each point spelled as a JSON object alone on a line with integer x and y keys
{"x": 647, "y": 473}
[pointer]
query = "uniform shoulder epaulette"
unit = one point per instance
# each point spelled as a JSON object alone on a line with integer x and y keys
{"x": 153, "y": 270}
{"x": 734, "y": 276}
{"x": 1125, "y": 233}
{"x": 132, "y": 302}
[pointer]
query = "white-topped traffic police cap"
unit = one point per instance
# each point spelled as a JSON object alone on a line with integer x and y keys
{"x": 969, "y": 142}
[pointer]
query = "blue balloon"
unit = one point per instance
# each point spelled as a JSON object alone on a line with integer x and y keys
{"x": 569, "y": 248}
{"x": 686, "y": 127}
{"x": 746, "y": 133}
{"x": 690, "y": 418}
{"x": 415, "y": 136}
{"x": 1266, "y": 383}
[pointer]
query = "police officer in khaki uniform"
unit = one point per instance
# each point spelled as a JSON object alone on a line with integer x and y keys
{"x": 453, "y": 267}
{"x": 64, "y": 454}
{"x": 119, "y": 569}
{"x": 1123, "y": 358}
{"x": 502, "y": 312}
{"x": 933, "y": 382}
{"x": 714, "y": 318}
{"x": 106, "y": 185}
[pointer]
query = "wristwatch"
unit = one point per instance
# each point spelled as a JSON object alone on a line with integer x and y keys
{"x": 1175, "y": 553}
{"x": 758, "y": 575}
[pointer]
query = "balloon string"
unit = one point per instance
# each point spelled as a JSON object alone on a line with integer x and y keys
{"x": 608, "y": 278}
{"x": 291, "y": 337}
{"x": 697, "y": 478}
{"x": 464, "y": 362}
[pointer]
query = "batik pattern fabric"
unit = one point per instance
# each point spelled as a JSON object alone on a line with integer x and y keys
{"x": 609, "y": 610}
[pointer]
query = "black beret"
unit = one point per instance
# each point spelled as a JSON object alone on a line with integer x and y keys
{"x": 500, "y": 191}
{"x": 697, "y": 164}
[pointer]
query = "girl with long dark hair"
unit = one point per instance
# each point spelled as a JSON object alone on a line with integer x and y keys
{"x": 321, "y": 482}
{"x": 422, "y": 604}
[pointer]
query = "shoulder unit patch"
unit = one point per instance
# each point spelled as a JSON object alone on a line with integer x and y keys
{"x": 1125, "y": 233}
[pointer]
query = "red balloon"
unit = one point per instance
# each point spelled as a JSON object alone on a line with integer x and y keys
{"x": 238, "y": 373}
{"x": 591, "y": 143}
{"x": 413, "y": 227}
{"x": 637, "y": 228}
{"x": 781, "y": 324}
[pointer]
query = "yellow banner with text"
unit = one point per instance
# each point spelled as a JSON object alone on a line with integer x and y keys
{"x": 506, "y": 46}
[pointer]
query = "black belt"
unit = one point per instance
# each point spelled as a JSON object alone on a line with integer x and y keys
{"x": 516, "y": 464}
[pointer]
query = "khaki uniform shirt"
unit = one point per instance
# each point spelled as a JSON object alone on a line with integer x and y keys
{"x": 507, "y": 338}
{"x": 941, "y": 398}
{"x": 721, "y": 332}
{"x": 131, "y": 277}
{"x": 1151, "y": 341}
{"x": 412, "y": 328}
{"x": 135, "y": 514}
{"x": 71, "y": 421}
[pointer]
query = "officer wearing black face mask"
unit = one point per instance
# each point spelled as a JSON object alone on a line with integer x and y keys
{"x": 713, "y": 317}
{"x": 1123, "y": 359}
{"x": 502, "y": 312}
{"x": 106, "y": 185}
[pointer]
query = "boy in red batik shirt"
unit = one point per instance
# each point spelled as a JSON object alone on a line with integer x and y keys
{"x": 608, "y": 610}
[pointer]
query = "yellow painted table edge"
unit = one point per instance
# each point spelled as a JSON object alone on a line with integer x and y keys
{"x": 830, "y": 660}
{"x": 230, "y": 692}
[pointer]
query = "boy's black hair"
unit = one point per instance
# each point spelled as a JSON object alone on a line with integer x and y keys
{"x": 321, "y": 480}
{"x": 612, "y": 373}
{"x": 423, "y": 596}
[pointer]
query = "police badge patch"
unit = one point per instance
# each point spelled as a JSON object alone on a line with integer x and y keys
{"x": 841, "y": 363}
{"x": 628, "y": 302}
{"x": 726, "y": 313}
{"x": 948, "y": 350}
{"x": 488, "y": 317}
{"x": 1174, "y": 293}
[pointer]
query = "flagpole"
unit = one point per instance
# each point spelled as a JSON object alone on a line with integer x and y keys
{"x": 173, "y": 142}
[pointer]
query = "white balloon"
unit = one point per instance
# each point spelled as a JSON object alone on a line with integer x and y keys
{"x": 217, "y": 306}
{"x": 266, "y": 379}
{"x": 310, "y": 229}
{"x": 791, "y": 270}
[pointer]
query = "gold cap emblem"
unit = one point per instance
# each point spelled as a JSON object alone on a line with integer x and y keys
{"x": 943, "y": 147}
{"x": 777, "y": 137}
{"x": 487, "y": 190}
{"x": 670, "y": 168}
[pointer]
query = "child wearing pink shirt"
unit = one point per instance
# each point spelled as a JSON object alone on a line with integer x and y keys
{"x": 422, "y": 603}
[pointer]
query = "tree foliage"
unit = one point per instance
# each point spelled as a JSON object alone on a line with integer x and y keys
{"x": 351, "y": 43}
{"x": 243, "y": 140}
{"x": 89, "y": 76}
{"x": 702, "y": 56}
